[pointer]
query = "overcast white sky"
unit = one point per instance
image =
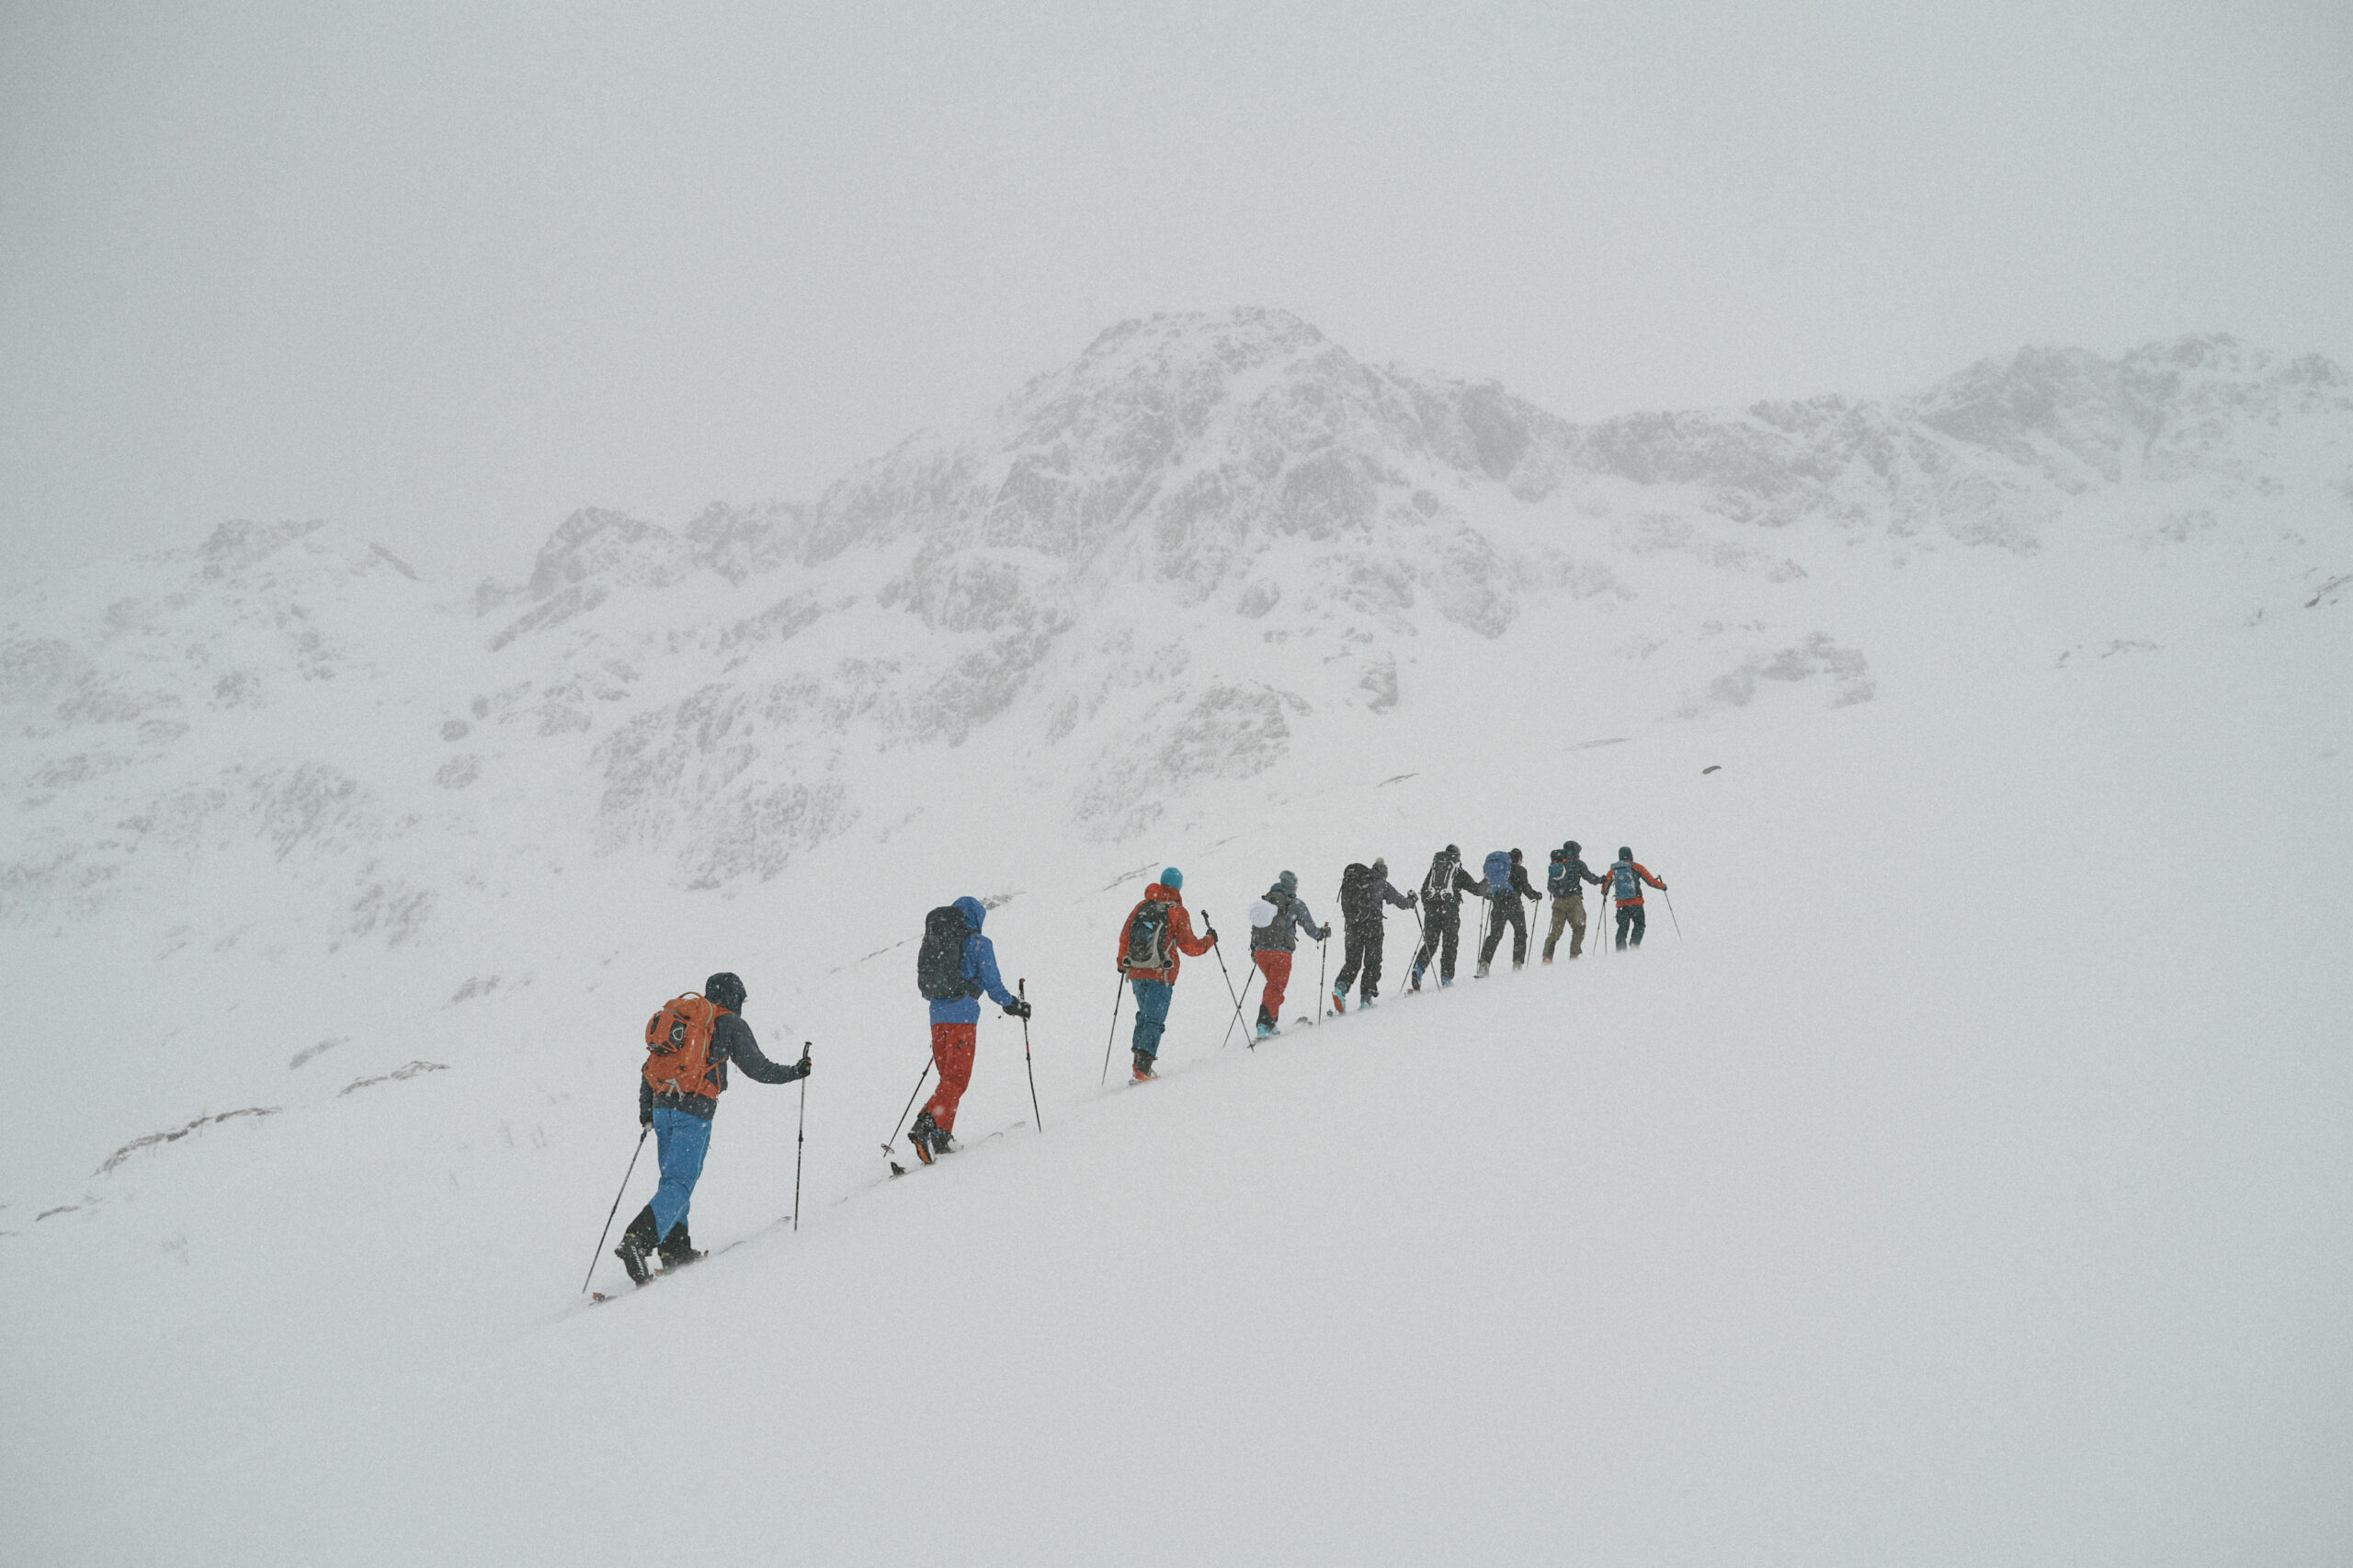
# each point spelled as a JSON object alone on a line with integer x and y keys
{"x": 451, "y": 271}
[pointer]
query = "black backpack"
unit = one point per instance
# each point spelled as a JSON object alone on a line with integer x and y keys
{"x": 1148, "y": 936}
{"x": 939, "y": 966}
{"x": 1356, "y": 891}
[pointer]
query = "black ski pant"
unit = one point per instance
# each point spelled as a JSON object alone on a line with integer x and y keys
{"x": 1504, "y": 910}
{"x": 1441, "y": 929}
{"x": 1364, "y": 944}
{"x": 1630, "y": 919}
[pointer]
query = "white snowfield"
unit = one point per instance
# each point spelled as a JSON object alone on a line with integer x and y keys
{"x": 1969, "y": 1180}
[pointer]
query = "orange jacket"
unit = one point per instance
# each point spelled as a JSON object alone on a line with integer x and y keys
{"x": 1180, "y": 936}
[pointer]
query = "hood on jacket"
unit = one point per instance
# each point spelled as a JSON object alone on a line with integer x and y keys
{"x": 1161, "y": 892}
{"x": 970, "y": 908}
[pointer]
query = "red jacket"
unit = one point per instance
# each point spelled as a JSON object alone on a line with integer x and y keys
{"x": 1180, "y": 936}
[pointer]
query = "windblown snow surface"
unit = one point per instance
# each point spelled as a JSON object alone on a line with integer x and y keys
{"x": 1963, "y": 1173}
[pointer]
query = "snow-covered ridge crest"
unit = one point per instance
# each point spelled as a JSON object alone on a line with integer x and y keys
{"x": 1211, "y": 546}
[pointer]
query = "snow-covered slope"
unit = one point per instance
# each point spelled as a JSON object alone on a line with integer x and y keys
{"x": 1973, "y": 1176}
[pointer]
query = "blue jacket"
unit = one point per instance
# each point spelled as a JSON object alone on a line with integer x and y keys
{"x": 980, "y": 963}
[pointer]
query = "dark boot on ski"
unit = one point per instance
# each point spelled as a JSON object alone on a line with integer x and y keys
{"x": 920, "y": 1135}
{"x": 1143, "y": 1073}
{"x": 636, "y": 1246}
{"x": 678, "y": 1249}
{"x": 1482, "y": 974}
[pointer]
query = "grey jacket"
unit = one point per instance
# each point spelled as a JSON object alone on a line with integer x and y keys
{"x": 1290, "y": 918}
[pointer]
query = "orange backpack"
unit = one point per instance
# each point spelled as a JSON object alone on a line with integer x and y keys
{"x": 678, "y": 1048}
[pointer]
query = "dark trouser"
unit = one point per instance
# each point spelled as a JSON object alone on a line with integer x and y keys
{"x": 1505, "y": 911}
{"x": 1568, "y": 912}
{"x": 1630, "y": 919}
{"x": 1364, "y": 942}
{"x": 1441, "y": 929}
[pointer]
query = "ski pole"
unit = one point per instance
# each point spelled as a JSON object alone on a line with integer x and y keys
{"x": 909, "y": 1106}
{"x": 617, "y": 1206}
{"x": 800, "y": 1138}
{"x": 1671, "y": 914}
{"x": 1322, "y": 962}
{"x": 1036, "y": 1119}
{"x": 1240, "y": 1003}
{"x": 1119, "y": 995}
{"x": 1219, "y": 948}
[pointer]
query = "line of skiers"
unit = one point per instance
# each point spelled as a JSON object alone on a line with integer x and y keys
{"x": 692, "y": 1041}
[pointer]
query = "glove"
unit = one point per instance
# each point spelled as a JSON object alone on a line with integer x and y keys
{"x": 646, "y": 1118}
{"x": 1212, "y": 932}
{"x": 806, "y": 1065}
{"x": 1326, "y": 936}
{"x": 1017, "y": 1009}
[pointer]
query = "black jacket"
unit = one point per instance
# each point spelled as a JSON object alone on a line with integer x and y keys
{"x": 1519, "y": 882}
{"x": 730, "y": 1040}
{"x": 1568, "y": 875}
{"x": 1442, "y": 894}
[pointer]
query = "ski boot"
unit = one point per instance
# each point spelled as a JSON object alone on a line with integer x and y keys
{"x": 637, "y": 1246}
{"x": 1415, "y": 982}
{"x": 1143, "y": 1073}
{"x": 1339, "y": 1001}
{"x": 1482, "y": 974}
{"x": 1265, "y": 1029}
{"x": 921, "y": 1134}
{"x": 678, "y": 1249}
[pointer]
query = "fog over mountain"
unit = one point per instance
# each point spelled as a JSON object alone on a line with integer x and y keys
{"x": 1155, "y": 576}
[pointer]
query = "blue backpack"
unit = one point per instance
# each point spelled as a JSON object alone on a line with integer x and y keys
{"x": 1561, "y": 881}
{"x": 1499, "y": 869}
{"x": 1622, "y": 883}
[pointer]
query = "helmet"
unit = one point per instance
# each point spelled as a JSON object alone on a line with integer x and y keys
{"x": 1172, "y": 878}
{"x": 1380, "y": 868}
{"x": 724, "y": 990}
{"x": 1624, "y": 853}
{"x": 1290, "y": 881}
{"x": 1573, "y": 846}
{"x": 1515, "y": 854}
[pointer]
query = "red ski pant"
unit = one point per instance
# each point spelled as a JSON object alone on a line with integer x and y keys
{"x": 1274, "y": 964}
{"x": 952, "y": 1052}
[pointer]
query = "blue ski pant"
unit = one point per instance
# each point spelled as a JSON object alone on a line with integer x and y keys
{"x": 680, "y": 1140}
{"x": 1153, "y": 997}
{"x": 1629, "y": 919}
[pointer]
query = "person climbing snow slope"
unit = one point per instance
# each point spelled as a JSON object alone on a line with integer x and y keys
{"x": 955, "y": 968}
{"x": 1272, "y": 945}
{"x": 1363, "y": 890}
{"x": 1442, "y": 890}
{"x": 1507, "y": 885}
{"x": 1565, "y": 879}
{"x": 1626, "y": 878}
{"x": 1152, "y": 938}
{"x": 689, "y": 1045}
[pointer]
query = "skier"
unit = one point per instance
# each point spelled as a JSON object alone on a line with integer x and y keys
{"x": 1626, "y": 878}
{"x": 1272, "y": 944}
{"x": 1363, "y": 890}
{"x": 1507, "y": 885}
{"x": 1565, "y": 881}
{"x": 1155, "y": 933}
{"x": 955, "y": 1020}
{"x": 678, "y": 1094}
{"x": 1442, "y": 891}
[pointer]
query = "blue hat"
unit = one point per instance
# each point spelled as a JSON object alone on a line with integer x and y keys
{"x": 1172, "y": 878}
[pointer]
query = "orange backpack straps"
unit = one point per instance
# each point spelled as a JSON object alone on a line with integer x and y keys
{"x": 678, "y": 1048}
